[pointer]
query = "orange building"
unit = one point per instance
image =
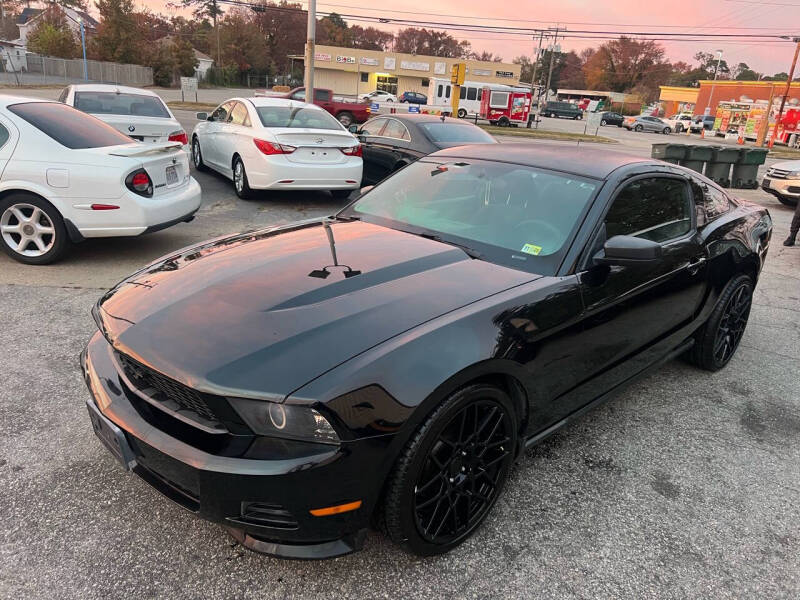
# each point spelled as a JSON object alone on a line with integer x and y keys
{"x": 675, "y": 100}
{"x": 738, "y": 91}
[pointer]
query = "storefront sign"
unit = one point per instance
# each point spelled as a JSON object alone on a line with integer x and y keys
{"x": 413, "y": 108}
{"x": 374, "y": 106}
{"x": 372, "y": 62}
{"x": 414, "y": 66}
{"x": 321, "y": 56}
{"x": 440, "y": 68}
{"x": 389, "y": 63}
{"x": 506, "y": 74}
{"x": 483, "y": 72}
{"x": 349, "y": 60}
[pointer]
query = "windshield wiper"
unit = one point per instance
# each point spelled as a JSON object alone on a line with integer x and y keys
{"x": 472, "y": 253}
{"x": 346, "y": 218}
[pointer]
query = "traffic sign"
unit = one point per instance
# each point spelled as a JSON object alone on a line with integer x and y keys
{"x": 413, "y": 108}
{"x": 375, "y": 106}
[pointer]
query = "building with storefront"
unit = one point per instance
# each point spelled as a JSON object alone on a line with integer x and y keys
{"x": 676, "y": 100}
{"x": 351, "y": 72}
{"x": 710, "y": 93}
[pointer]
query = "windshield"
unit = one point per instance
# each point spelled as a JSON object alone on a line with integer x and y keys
{"x": 510, "y": 214}
{"x": 69, "y": 127}
{"x": 455, "y": 133}
{"x": 111, "y": 103}
{"x": 299, "y": 117}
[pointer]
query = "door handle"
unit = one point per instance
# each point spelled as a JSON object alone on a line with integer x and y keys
{"x": 694, "y": 265}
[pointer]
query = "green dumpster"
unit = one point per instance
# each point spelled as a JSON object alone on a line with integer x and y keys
{"x": 745, "y": 170}
{"x": 696, "y": 157}
{"x": 718, "y": 169}
{"x": 671, "y": 153}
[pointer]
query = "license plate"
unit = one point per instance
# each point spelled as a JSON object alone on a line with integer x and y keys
{"x": 111, "y": 436}
{"x": 172, "y": 175}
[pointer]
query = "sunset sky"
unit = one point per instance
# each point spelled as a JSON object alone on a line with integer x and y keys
{"x": 700, "y": 16}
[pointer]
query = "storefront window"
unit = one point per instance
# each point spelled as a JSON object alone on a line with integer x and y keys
{"x": 386, "y": 84}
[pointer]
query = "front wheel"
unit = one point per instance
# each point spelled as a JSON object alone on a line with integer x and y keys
{"x": 197, "y": 156}
{"x": 240, "y": 183}
{"x": 503, "y": 122}
{"x": 32, "y": 230}
{"x": 345, "y": 118}
{"x": 462, "y": 113}
{"x": 638, "y": 128}
{"x": 678, "y": 128}
{"x": 666, "y": 131}
{"x": 452, "y": 471}
{"x": 786, "y": 201}
{"x": 603, "y": 122}
{"x": 717, "y": 340}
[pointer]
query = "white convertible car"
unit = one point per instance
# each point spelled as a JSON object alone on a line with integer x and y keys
{"x": 277, "y": 143}
{"x": 67, "y": 176}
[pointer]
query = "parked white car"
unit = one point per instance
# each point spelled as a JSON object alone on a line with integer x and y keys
{"x": 140, "y": 114}
{"x": 679, "y": 123}
{"x": 379, "y": 96}
{"x": 67, "y": 176}
{"x": 782, "y": 180}
{"x": 277, "y": 143}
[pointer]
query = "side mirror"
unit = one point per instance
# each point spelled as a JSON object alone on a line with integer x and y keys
{"x": 201, "y": 116}
{"x": 364, "y": 190}
{"x": 353, "y": 128}
{"x": 628, "y": 251}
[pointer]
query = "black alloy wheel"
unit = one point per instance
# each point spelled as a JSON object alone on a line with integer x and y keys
{"x": 452, "y": 471}
{"x": 716, "y": 342}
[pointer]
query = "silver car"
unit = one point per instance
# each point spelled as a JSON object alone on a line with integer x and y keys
{"x": 644, "y": 123}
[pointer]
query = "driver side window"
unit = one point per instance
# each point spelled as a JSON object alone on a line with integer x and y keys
{"x": 222, "y": 112}
{"x": 654, "y": 208}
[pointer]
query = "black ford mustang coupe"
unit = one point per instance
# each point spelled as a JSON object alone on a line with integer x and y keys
{"x": 387, "y": 364}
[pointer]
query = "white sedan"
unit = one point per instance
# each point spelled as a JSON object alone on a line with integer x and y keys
{"x": 379, "y": 96}
{"x": 67, "y": 176}
{"x": 277, "y": 143}
{"x": 679, "y": 123}
{"x": 140, "y": 114}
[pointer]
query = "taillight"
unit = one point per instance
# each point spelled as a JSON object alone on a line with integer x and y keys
{"x": 273, "y": 147}
{"x": 179, "y": 136}
{"x": 139, "y": 181}
{"x": 352, "y": 150}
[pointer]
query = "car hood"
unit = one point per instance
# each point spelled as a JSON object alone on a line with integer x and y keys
{"x": 261, "y": 314}
{"x": 787, "y": 165}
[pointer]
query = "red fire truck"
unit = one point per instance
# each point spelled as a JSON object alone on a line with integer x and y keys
{"x": 505, "y": 107}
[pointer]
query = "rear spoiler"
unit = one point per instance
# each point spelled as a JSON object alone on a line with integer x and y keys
{"x": 145, "y": 149}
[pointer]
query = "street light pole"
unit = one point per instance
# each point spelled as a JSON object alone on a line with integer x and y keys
{"x": 552, "y": 53}
{"x": 83, "y": 44}
{"x": 311, "y": 28}
{"x": 785, "y": 94}
{"x": 716, "y": 72}
{"x": 533, "y": 76}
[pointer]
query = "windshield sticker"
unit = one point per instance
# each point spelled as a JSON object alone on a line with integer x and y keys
{"x": 531, "y": 249}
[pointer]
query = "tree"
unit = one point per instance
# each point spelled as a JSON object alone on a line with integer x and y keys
{"x": 283, "y": 32}
{"x": 628, "y": 65}
{"x": 485, "y": 56}
{"x": 333, "y": 31}
{"x": 118, "y": 38}
{"x": 53, "y": 37}
{"x": 778, "y": 77}
{"x": 526, "y": 68}
{"x": 744, "y": 73}
{"x": 370, "y": 38}
{"x": 431, "y": 43}
{"x": 708, "y": 62}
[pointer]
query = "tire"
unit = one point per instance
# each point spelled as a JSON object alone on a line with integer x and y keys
{"x": 341, "y": 194}
{"x": 638, "y": 128}
{"x": 603, "y": 122}
{"x": 197, "y": 156}
{"x": 389, "y": 100}
{"x": 27, "y": 217}
{"x": 579, "y": 118}
{"x": 678, "y": 128}
{"x": 729, "y": 319}
{"x": 666, "y": 131}
{"x": 442, "y": 455}
{"x": 786, "y": 201}
{"x": 503, "y": 122}
{"x": 240, "y": 183}
{"x": 345, "y": 118}
{"x": 462, "y": 113}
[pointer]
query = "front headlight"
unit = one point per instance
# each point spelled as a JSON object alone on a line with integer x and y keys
{"x": 793, "y": 175}
{"x": 288, "y": 421}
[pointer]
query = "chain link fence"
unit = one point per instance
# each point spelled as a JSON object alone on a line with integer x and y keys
{"x": 37, "y": 69}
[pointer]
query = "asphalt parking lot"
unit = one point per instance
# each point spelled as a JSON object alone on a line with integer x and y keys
{"x": 685, "y": 486}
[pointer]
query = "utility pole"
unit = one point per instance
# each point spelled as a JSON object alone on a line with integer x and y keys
{"x": 796, "y": 40}
{"x": 216, "y": 26}
{"x": 762, "y": 130}
{"x": 711, "y": 94}
{"x": 308, "y": 80}
{"x": 552, "y": 54}
{"x": 533, "y": 75}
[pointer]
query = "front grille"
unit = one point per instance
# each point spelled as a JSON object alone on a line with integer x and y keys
{"x": 268, "y": 515}
{"x": 777, "y": 173}
{"x": 176, "y": 396}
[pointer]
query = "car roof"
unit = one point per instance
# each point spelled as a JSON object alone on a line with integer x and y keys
{"x": 590, "y": 162}
{"x": 272, "y": 101}
{"x": 104, "y": 87}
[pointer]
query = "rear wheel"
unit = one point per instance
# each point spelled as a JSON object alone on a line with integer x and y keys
{"x": 345, "y": 118}
{"x": 666, "y": 131}
{"x": 240, "y": 182}
{"x": 197, "y": 155}
{"x": 717, "y": 340}
{"x": 603, "y": 122}
{"x": 462, "y": 113}
{"x": 32, "y": 230}
{"x": 503, "y": 122}
{"x": 452, "y": 471}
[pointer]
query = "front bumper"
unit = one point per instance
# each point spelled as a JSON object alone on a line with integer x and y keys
{"x": 225, "y": 489}
{"x": 789, "y": 188}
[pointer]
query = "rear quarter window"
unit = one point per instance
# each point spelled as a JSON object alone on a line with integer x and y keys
{"x": 69, "y": 126}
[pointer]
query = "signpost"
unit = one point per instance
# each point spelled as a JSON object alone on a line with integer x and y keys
{"x": 188, "y": 87}
{"x": 413, "y": 108}
{"x": 457, "y": 74}
{"x": 593, "y": 121}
